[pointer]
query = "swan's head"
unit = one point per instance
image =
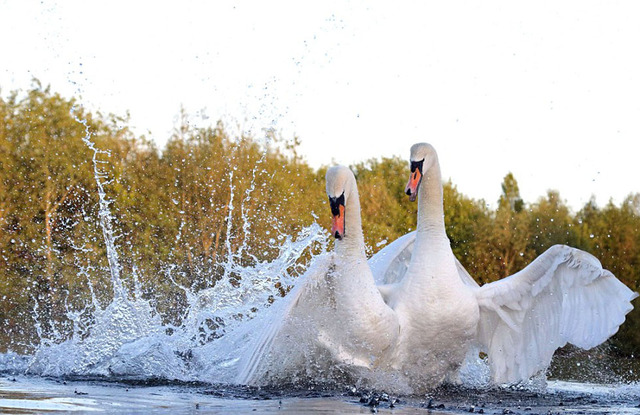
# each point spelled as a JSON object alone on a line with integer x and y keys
{"x": 339, "y": 185}
{"x": 422, "y": 157}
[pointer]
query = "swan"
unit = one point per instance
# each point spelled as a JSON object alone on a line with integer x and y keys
{"x": 334, "y": 322}
{"x": 563, "y": 296}
{"x": 436, "y": 308}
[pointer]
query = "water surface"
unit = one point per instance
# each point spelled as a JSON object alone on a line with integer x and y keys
{"x": 31, "y": 395}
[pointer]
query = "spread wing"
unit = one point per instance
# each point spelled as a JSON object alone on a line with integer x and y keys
{"x": 390, "y": 264}
{"x": 279, "y": 316}
{"x": 563, "y": 296}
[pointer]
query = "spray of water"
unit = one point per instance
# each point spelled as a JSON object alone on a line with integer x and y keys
{"x": 128, "y": 337}
{"x": 104, "y": 214}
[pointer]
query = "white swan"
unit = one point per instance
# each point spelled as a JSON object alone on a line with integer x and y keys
{"x": 334, "y": 322}
{"x": 436, "y": 309}
{"x": 564, "y": 296}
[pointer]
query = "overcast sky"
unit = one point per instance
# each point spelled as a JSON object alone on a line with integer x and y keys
{"x": 549, "y": 90}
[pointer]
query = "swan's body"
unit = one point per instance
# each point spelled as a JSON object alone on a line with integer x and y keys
{"x": 335, "y": 322}
{"x": 564, "y": 296}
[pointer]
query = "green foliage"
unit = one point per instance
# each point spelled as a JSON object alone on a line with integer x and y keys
{"x": 510, "y": 197}
{"x": 183, "y": 210}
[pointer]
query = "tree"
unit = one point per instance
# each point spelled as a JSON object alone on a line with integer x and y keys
{"x": 510, "y": 198}
{"x": 466, "y": 220}
{"x": 47, "y": 185}
{"x": 612, "y": 234}
{"x": 551, "y": 223}
{"x": 505, "y": 243}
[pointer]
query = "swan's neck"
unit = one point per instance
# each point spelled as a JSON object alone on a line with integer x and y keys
{"x": 432, "y": 276}
{"x": 353, "y": 242}
{"x": 430, "y": 210}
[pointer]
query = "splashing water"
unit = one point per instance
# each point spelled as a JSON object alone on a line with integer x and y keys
{"x": 104, "y": 214}
{"x": 128, "y": 338}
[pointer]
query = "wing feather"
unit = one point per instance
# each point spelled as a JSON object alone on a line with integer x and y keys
{"x": 390, "y": 264}
{"x": 563, "y": 296}
{"x": 278, "y": 318}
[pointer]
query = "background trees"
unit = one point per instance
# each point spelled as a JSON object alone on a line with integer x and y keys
{"x": 208, "y": 195}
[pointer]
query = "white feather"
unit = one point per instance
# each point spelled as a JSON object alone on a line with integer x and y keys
{"x": 563, "y": 296}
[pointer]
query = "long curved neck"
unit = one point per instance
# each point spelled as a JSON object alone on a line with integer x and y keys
{"x": 430, "y": 210}
{"x": 432, "y": 271}
{"x": 353, "y": 241}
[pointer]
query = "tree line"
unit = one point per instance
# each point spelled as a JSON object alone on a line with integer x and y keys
{"x": 208, "y": 194}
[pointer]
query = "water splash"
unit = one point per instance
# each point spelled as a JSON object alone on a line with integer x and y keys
{"x": 98, "y": 333}
{"x": 104, "y": 214}
{"x": 128, "y": 336}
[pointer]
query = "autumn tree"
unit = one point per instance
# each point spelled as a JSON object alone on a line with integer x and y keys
{"x": 551, "y": 223}
{"x": 215, "y": 195}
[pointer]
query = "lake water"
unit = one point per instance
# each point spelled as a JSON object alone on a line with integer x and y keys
{"x": 32, "y": 394}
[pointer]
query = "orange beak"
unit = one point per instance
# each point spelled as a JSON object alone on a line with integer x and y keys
{"x": 412, "y": 187}
{"x": 337, "y": 223}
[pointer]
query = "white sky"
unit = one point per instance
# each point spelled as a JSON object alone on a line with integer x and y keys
{"x": 549, "y": 90}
